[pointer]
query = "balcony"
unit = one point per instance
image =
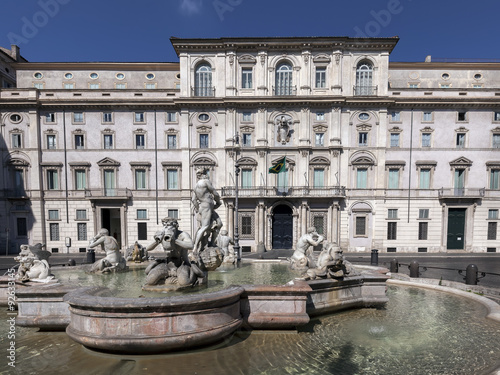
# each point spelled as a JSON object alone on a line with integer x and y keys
{"x": 204, "y": 91}
{"x": 365, "y": 90}
{"x": 15, "y": 193}
{"x": 108, "y": 193}
{"x": 285, "y": 91}
{"x": 296, "y": 191}
{"x": 462, "y": 193}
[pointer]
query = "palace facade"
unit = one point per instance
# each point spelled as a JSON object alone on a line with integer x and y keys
{"x": 395, "y": 156}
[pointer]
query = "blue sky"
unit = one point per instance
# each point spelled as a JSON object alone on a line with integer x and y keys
{"x": 139, "y": 30}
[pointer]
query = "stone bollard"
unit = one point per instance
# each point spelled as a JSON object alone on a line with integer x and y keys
{"x": 90, "y": 256}
{"x": 471, "y": 275}
{"x": 374, "y": 257}
{"x": 394, "y": 266}
{"x": 71, "y": 263}
{"x": 261, "y": 248}
{"x": 414, "y": 272}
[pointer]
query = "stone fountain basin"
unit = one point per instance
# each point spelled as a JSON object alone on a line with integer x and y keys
{"x": 152, "y": 325}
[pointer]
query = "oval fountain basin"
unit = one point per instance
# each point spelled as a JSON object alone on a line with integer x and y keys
{"x": 152, "y": 325}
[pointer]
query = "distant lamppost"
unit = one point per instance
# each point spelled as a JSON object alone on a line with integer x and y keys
{"x": 236, "y": 245}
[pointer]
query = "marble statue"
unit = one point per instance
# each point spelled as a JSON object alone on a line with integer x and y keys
{"x": 176, "y": 268}
{"x": 136, "y": 253}
{"x": 330, "y": 264}
{"x": 113, "y": 261}
{"x": 33, "y": 264}
{"x": 284, "y": 125}
{"x": 302, "y": 258}
{"x": 223, "y": 241}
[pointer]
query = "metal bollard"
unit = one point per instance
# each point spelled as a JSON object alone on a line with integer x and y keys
{"x": 71, "y": 263}
{"x": 471, "y": 274}
{"x": 90, "y": 256}
{"x": 374, "y": 257}
{"x": 394, "y": 266}
{"x": 414, "y": 269}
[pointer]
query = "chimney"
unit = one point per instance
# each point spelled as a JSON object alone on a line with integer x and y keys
{"x": 14, "y": 52}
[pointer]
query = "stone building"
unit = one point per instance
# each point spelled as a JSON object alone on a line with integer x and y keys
{"x": 401, "y": 157}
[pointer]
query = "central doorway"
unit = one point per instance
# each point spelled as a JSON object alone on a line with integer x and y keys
{"x": 456, "y": 229}
{"x": 110, "y": 219}
{"x": 282, "y": 227}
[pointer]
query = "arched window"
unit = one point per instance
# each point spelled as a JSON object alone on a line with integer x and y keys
{"x": 203, "y": 80}
{"x": 364, "y": 78}
{"x": 284, "y": 79}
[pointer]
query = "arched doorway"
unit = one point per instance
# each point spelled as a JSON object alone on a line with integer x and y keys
{"x": 282, "y": 227}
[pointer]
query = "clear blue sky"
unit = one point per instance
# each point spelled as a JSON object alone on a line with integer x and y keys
{"x": 139, "y": 30}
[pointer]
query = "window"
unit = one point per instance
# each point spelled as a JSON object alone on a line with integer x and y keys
{"x": 109, "y": 183}
{"x": 107, "y": 117}
{"x": 494, "y": 179}
{"x": 77, "y": 117}
{"x": 361, "y": 178}
{"x": 462, "y": 116}
{"x": 283, "y": 79}
{"x": 54, "y": 231}
{"x": 364, "y": 79}
{"x": 53, "y": 214}
{"x": 19, "y": 181}
{"x": 364, "y": 116}
{"x": 319, "y": 224}
{"x": 22, "y": 227}
{"x": 38, "y": 75}
{"x": 142, "y": 214}
{"x": 493, "y": 214}
{"x": 203, "y": 117}
{"x": 394, "y": 139}
{"x": 142, "y": 231}
{"x": 39, "y": 86}
{"x": 496, "y": 116}
{"x": 50, "y": 117}
{"x": 246, "y": 178}
{"x": 140, "y": 179}
{"x": 426, "y": 139}
{"x": 120, "y": 75}
{"x": 171, "y": 141}
{"x": 393, "y": 182}
{"x": 247, "y": 139}
{"x": 413, "y": 85}
{"x": 247, "y": 116}
{"x": 422, "y": 230}
{"x": 173, "y": 213}
{"x": 319, "y": 177}
{"x": 94, "y": 86}
{"x": 82, "y": 231}
{"x": 246, "y": 225}
{"x": 319, "y": 139}
{"x": 492, "y": 230}
{"x": 51, "y": 142}
{"x": 320, "y": 77}
{"x": 172, "y": 179}
{"x": 52, "y": 179}
{"x": 395, "y": 116}
{"x": 68, "y": 75}
{"x": 81, "y": 214}
{"x": 79, "y": 142}
{"x": 69, "y": 86}
{"x": 171, "y": 116}
{"x": 360, "y": 225}
{"x": 139, "y": 141}
{"x": 94, "y": 75}
{"x": 427, "y": 116}
{"x": 204, "y": 141}
{"x": 150, "y": 86}
{"x": 80, "y": 179}
{"x": 246, "y": 78}
{"x": 459, "y": 181}
{"x": 108, "y": 141}
{"x": 445, "y": 85}
{"x": 392, "y": 213}
{"x": 203, "y": 80}
{"x": 496, "y": 141}
{"x": 17, "y": 140}
{"x": 392, "y": 228}
{"x": 320, "y": 116}
{"x": 150, "y": 76}
{"x": 120, "y": 86}
{"x": 425, "y": 178}
{"x": 460, "y": 142}
{"x": 423, "y": 213}
{"x": 363, "y": 139}
{"x": 139, "y": 117}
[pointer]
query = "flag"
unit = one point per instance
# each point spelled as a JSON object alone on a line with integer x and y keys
{"x": 279, "y": 166}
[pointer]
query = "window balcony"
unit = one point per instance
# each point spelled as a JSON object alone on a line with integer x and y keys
{"x": 285, "y": 91}
{"x": 365, "y": 90}
{"x": 461, "y": 192}
{"x": 205, "y": 91}
{"x": 296, "y": 191}
{"x": 108, "y": 193}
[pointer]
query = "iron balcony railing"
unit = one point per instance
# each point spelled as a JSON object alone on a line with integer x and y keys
{"x": 365, "y": 90}
{"x": 462, "y": 192}
{"x": 208, "y": 91}
{"x": 285, "y": 90}
{"x": 108, "y": 193}
{"x": 296, "y": 191}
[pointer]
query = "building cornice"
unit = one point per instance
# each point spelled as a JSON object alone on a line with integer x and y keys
{"x": 443, "y": 65}
{"x": 119, "y": 66}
